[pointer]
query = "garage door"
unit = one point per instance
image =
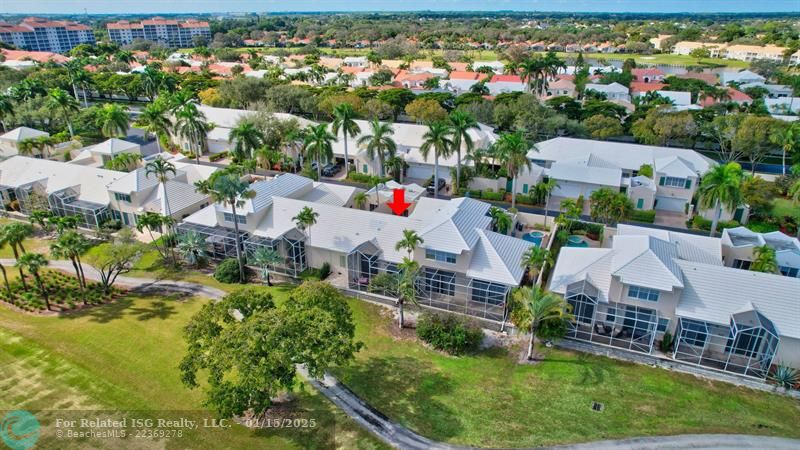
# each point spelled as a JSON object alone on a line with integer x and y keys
{"x": 424, "y": 171}
{"x": 568, "y": 189}
{"x": 670, "y": 204}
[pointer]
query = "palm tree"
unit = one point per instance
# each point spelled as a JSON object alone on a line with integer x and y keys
{"x": 511, "y": 149}
{"x": 28, "y": 89}
{"x": 721, "y": 187}
{"x": 161, "y": 169}
{"x": 360, "y": 199}
{"x": 78, "y": 76}
{"x": 534, "y": 305}
{"x": 2, "y": 267}
{"x": 764, "y": 260}
{"x": 60, "y": 100}
{"x": 409, "y": 242}
{"x": 72, "y": 245}
{"x": 231, "y": 191}
{"x": 343, "y": 119}
{"x": 153, "y": 120}
{"x": 318, "y": 145}
{"x": 406, "y": 286}
{"x": 6, "y": 109}
{"x": 534, "y": 259}
{"x": 461, "y": 122}
{"x": 265, "y": 257}
{"x": 379, "y": 143}
{"x": 191, "y": 125}
{"x": 545, "y": 190}
{"x": 124, "y": 162}
{"x": 33, "y": 262}
{"x": 794, "y": 192}
{"x": 305, "y": 219}
{"x": 113, "y": 120}
{"x": 246, "y": 138}
{"x": 437, "y": 138}
{"x": 500, "y": 219}
{"x": 396, "y": 166}
{"x": 788, "y": 140}
{"x": 192, "y": 247}
{"x": 14, "y": 234}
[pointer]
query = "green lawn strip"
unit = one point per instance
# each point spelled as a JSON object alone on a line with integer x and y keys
{"x": 124, "y": 356}
{"x": 489, "y": 400}
{"x": 784, "y": 207}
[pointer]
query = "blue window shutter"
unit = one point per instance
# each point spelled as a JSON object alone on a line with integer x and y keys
{"x": 640, "y": 203}
{"x": 661, "y": 181}
{"x": 524, "y": 188}
{"x": 688, "y": 183}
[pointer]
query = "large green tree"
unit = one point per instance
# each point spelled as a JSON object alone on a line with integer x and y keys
{"x": 437, "y": 140}
{"x": 230, "y": 190}
{"x": 461, "y": 122}
{"x": 344, "y": 119}
{"x": 534, "y": 305}
{"x": 379, "y": 143}
{"x": 721, "y": 187}
{"x": 511, "y": 149}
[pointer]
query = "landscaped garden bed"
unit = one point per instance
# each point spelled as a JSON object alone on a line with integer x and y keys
{"x": 63, "y": 290}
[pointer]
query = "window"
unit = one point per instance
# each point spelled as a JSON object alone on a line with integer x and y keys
{"x": 741, "y": 264}
{"x": 436, "y": 255}
{"x": 365, "y": 168}
{"x": 640, "y": 203}
{"x": 642, "y": 293}
{"x": 611, "y": 315}
{"x": 239, "y": 218}
{"x": 789, "y": 271}
{"x": 524, "y": 188}
{"x": 663, "y": 324}
{"x": 122, "y": 197}
{"x": 676, "y": 182}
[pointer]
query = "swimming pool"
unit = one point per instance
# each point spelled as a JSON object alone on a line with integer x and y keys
{"x": 535, "y": 237}
{"x": 576, "y": 241}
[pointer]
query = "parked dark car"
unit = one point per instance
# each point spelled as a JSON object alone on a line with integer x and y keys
{"x": 430, "y": 186}
{"x": 331, "y": 169}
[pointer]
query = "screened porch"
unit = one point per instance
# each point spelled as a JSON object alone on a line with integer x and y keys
{"x": 220, "y": 241}
{"x": 66, "y": 203}
{"x": 291, "y": 247}
{"x": 747, "y": 346}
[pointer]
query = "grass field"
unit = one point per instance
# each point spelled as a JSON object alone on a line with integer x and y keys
{"x": 489, "y": 400}
{"x": 784, "y": 207}
{"x": 124, "y": 356}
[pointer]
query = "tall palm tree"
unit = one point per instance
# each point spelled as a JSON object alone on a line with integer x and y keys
{"x": 306, "y": 219}
{"x": 344, "y": 119}
{"x": 192, "y": 247}
{"x": 534, "y": 259}
{"x": 246, "y": 138}
{"x": 6, "y": 109}
{"x": 191, "y": 125}
{"x": 500, "y": 219}
{"x": 409, "y": 242}
{"x": 3, "y": 243}
{"x": 153, "y": 119}
{"x": 318, "y": 146}
{"x": 60, "y": 100}
{"x": 511, "y": 149}
{"x": 71, "y": 245}
{"x": 124, "y": 162}
{"x": 788, "y": 139}
{"x": 460, "y": 124}
{"x": 764, "y": 260}
{"x": 721, "y": 187}
{"x": 379, "y": 143}
{"x": 534, "y": 305}
{"x": 33, "y": 263}
{"x": 406, "y": 286}
{"x": 266, "y": 257}
{"x": 161, "y": 170}
{"x": 396, "y": 166}
{"x": 545, "y": 189}
{"x": 231, "y": 191}
{"x": 14, "y": 234}
{"x": 436, "y": 139}
{"x": 113, "y": 120}
{"x": 794, "y": 192}
{"x": 78, "y": 77}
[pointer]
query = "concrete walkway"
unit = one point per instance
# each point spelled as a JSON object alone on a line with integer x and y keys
{"x": 139, "y": 285}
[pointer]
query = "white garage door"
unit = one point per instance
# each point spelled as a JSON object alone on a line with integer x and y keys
{"x": 670, "y": 204}
{"x": 568, "y": 189}
{"x": 424, "y": 171}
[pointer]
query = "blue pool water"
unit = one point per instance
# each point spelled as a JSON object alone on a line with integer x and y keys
{"x": 535, "y": 237}
{"x": 576, "y": 241}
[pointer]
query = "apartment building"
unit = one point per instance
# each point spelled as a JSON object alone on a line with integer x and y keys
{"x": 165, "y": 31}
{"x": 44, "y": 35}
{"x": 646, "y": 282}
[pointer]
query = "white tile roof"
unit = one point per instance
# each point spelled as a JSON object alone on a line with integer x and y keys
{"x": 577, "y": 264}
{"x": 575, "y": 171}
{"x": 285, "y": 185}
{"x": 613, "y": 87}
{"x": 690, "y": 247}
{"x": 22, "y": 133}
{"x": 179, "y": 195}
{"x": 713, "y": 293}
{"x": 113, "y": 147}
{"x": 330, "y": 194}
{"x": 497, "y": 257}
{"x": 229, "y": 117}
{"x": 92, "y": 183}
{"x": 646, "y": 261}
{"x": 675, "y": 166}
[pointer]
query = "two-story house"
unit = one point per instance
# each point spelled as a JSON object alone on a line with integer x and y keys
{"x": 739, "y": 246}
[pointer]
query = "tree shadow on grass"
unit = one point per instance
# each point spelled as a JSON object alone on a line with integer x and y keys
{"x": 157, "y": 309}
{"x": 105, "y": 313}
{"x": 590, "y": 371}
{"x": 405, "y": 390}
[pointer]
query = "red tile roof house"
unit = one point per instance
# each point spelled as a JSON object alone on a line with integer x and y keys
{"x": 708, "y": 77}
{"x": 639, "y": 87}
{"x": 42, "y": 57}
{"x": 735, "y": 96}
{"x": 648, "y": 75}
{"x": 412, "y": 80}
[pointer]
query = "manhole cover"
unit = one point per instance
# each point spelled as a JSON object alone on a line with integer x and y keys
{"x": 597, "y": 406}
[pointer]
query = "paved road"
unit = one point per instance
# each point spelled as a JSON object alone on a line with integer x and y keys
{"x": 140, "y": 285}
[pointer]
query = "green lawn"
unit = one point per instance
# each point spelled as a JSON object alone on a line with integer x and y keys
{"x": 124, "y": 356}
{"x": 784, "y": 207}
{"x": 489, "y": 400}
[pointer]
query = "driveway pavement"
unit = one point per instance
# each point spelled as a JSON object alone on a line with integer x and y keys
{"x": 670, "y": 219}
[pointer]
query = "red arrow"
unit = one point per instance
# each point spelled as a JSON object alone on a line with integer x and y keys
{"x": 398, "y": 203}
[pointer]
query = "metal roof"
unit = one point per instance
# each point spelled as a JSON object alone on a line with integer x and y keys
{"x": 498, "y": 258}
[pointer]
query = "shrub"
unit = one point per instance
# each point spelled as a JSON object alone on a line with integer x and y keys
{"x": 489, "y": 194}
{"x": 218, "y": 156}
{"x": 666, "y": 342}
{"x": 324, "y": 271}
{"x": 227, "y": 271}
{"x": 785, "y": 376}
{"x": 451, "y": 334}
{"x": 365, "y": 178}
{"x": 642, "y": 216}
{"x": 384, "y": 284}
{"x": 701, "y": 223}
{"x": 475, "y": 193}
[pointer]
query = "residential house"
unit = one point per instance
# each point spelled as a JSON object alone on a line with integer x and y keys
{"x": 742, "y": 77}
{"x": 739, "y": 245}
{"x": 783, "y": 105}
{"x": 99, "y": 155}
{"x": 646, "y": 282}
{"x": 561, "y": 87}
{"x": 465, "y": 267}
{"x": 28, "y": 184}
{"x": 355, "y": 61}
{"x": 686, "y": 47}
{"x": 613, "y": 91}
{"x": 10, "y": 141}
{"x": 639, "y": 88}
{"x": 501, "y": 84}
{"x": 459, "y": 82}
{"x": 659, "y": 41}
{"x": 648, "y": 75}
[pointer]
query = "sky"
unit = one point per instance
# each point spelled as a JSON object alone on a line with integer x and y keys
{"x": 207, "y": 6}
